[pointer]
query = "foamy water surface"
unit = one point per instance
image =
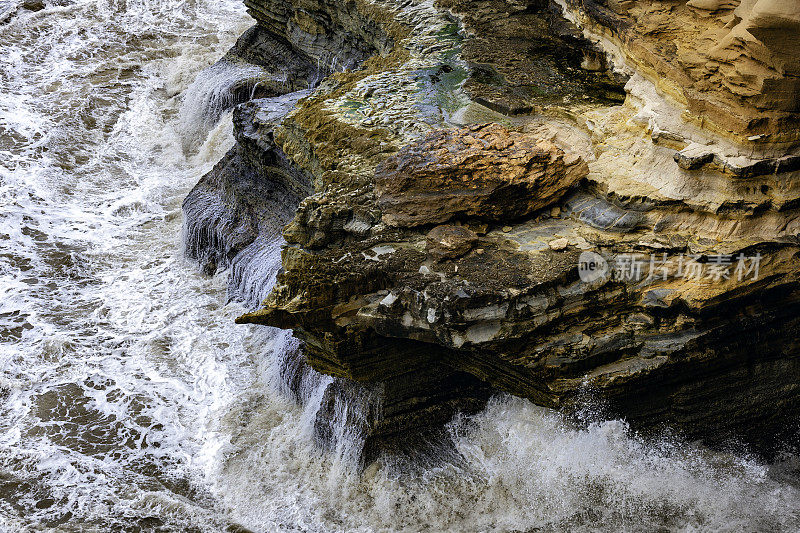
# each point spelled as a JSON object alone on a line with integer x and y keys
{"x": 129, "y": 401}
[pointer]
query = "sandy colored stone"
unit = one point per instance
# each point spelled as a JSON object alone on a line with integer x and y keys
{"x": 483, "y": 171}
{"x": 732, "y": 66}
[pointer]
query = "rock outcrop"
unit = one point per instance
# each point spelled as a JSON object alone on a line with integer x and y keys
{"x": 250, "y": 193}
{"x": 731, "y": 65}
{"x": 483, "y": 172}
{"x": 597, "y": 201}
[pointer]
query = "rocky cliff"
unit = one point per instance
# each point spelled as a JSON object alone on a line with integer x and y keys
{"x": 574, "y": 201}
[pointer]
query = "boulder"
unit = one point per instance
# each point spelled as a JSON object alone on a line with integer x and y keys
{"x": 450, "y": 242}
{"x": 483, "y": 171}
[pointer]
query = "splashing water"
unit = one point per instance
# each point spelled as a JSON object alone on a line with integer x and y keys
{"x": 130, "y": 401}
{"x": 213, "y": 92}
{"x": 107, "y": 369}
{"x": 253, "y": 271}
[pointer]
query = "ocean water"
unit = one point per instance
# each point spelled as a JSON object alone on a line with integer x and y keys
{"x": 129, "y": 400}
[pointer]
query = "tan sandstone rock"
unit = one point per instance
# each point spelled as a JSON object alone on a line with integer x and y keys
{"x": 483, "y": 171}
{"x": 732, "y": 65}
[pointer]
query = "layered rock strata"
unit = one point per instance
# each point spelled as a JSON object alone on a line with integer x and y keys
{"x": 461, "y": 175}
{"x": 250, "y": 193}
{"x": 483, "y": 172}
{"x": 732, "y": 66}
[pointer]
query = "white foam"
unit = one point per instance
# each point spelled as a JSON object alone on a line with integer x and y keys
{"x": 211, "y": 94}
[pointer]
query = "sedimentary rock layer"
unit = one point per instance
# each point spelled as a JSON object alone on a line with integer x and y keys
{"x": 483, "y": 172}
{"x": 733, "y": 65}
{"x": 437, "y": 254}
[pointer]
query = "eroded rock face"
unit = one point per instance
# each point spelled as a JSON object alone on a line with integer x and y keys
{"x": 335, "y": 35}
{"x": 734, "y": 65}
{"x": 251, "y": 193}
{"x": 437, "y": 254}
{"x": 514, "y": 67}
{"x": 483, "y": 172}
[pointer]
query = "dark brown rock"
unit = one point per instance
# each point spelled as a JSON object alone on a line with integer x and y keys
{"x": 513, "y": 70}
{"x": 449, "y": 242}
{"x": 33, "y": 5}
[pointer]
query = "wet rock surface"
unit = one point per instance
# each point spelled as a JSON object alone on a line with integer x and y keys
{"x": 434, "y": 254}
{"x": 524, "y": 57}
{"x": 251, "y": 192}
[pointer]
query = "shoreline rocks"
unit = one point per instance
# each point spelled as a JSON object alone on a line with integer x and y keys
{"x": 436, "y": 256}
